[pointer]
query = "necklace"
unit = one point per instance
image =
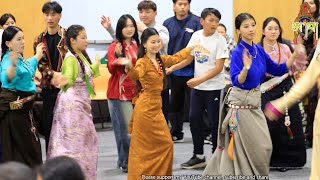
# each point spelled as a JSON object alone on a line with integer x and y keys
{"x": 274, "y": 49}
{"x": 255, "y": 49}
{"x": 157, "y": 68}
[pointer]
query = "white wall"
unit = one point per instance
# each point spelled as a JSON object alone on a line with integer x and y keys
{"x": 87, "y": 13}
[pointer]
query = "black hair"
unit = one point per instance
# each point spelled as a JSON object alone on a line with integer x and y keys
{"x": 222, "y": 25}
{"x": 316, "y": 13}
{"x": 122, "y": 23}
{"x": 146, "y": 34}
{"x": 175, "y": 1}
{"x": 147, "y": 4}
{"x": 4, "y": 18}
{"x": 8, "y": 35}
{"x": 240, "y": 18}
{"x": 265, "y": 23}
{"x": 52, "y": 6}
{"x": 73, "y": 32}
{"x": 61, "y": 168}
{"x": 208, "y": 11}
{"x": 16, "y": 171}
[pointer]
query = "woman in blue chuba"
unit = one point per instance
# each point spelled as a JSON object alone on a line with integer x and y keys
{"x": 244, "y": 143}
{"x": 18, "y": 132}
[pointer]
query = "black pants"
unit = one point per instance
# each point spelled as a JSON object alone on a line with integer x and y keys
{"x": 179, "y": 103}
{"x": 200, "y": 101}
{"x": 310, "y": 110}
{"x": 165, "y": 103}
{"x": 49, "y": 100}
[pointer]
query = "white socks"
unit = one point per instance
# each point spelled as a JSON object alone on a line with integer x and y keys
{"x": 200, "y": 156}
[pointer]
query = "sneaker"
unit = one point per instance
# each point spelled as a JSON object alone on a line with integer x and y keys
{"x": 194, "y": 163}
{"x": 124, "y": 169}
{"x": 175, "y": 139}
{"x": 208, "y": 139}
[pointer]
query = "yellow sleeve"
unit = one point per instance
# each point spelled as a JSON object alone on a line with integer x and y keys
{"x": 170, "y": 60}
{"x": 301, "y": 87}
{"x": 138, "y": 70}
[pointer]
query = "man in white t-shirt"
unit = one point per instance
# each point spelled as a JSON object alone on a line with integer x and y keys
{"x": 210, "y": 51}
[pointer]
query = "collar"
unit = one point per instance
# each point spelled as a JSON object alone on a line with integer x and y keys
{"x": 185, "y": 19}
{"x": 248, "y": 46}
{"x": 60, "y": 31}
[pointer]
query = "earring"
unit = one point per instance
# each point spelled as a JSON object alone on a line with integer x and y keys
{"x": 145, "y": 50}
{"x": 10, "y": 49}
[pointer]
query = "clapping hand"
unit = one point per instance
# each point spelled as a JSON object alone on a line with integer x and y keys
{"x": 14, "y": 57}
{"x": 247, "y": 59}
{"x": 58, "y": 80}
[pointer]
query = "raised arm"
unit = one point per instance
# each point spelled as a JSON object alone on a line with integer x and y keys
{"x": 170, "y": 60}
{"x": 300, "y": 89}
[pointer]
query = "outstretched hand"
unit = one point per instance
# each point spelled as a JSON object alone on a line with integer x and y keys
{"x": 106, "y": 22}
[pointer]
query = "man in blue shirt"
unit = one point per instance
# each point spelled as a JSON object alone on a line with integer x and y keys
{"x": 181, "y": 27}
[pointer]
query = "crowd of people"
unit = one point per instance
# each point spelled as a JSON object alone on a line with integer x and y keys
{"x": 191, "y": 56}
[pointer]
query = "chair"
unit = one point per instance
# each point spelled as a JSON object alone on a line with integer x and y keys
{"x": 100, "y": 88}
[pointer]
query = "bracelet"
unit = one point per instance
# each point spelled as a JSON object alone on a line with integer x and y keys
{"x": 248, "y": 67}
{"x": 274, "y": 110}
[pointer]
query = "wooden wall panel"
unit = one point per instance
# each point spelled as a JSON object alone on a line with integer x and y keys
{"x": 285, "y": 10}
{"x": 29, "y": 18}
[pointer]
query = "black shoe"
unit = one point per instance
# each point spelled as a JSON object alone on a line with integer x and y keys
{"x": 176, "y": 139}
{"x": 208, "y": 139}
{"x": 194, "y": 163}
{"x": 124, "y": 169}
{"x": 282, "y": 169}
{"x": 308, "y": 144}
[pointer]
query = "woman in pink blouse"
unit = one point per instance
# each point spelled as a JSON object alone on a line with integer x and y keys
{"x": 287, "y": 134}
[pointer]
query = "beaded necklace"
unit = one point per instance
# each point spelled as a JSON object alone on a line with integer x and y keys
{"x": 255, "y": 48}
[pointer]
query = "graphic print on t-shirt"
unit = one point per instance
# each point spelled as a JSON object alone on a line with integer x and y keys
{"x": 201, "y": 54}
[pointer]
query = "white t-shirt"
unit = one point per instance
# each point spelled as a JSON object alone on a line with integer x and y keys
{"x": 207, "y": 50}
{"x": 1, "y": 32}
{"x": 164, "y": 36}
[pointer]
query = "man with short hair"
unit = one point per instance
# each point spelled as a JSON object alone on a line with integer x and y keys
{"x": 181, "y": 27}
{"x": 50, "y": 65}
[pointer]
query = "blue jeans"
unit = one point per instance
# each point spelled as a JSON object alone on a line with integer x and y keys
{"x": 120, "y": 113}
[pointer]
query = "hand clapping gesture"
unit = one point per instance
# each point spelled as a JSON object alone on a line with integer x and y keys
{"x": 247, "y": 59}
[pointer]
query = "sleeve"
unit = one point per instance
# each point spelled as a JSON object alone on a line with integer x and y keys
{"x": 43, "y": 64}
{"x": 112, "y": 33}
{"x": 95, "y": 70}
{"x": 137, "y": 71}
{"x": 222, "y": 49}
{"x": 272, "y": 67}
{"x": 170, "y": 60}
{"x": 70, "y": 71}
{"x": 192, "y": 42}
{"x": 236, "y": 66}
{"x": 112, "y": 67}
{"x": 164, "y": 35}
{"x": 301, "y": 87}
{"x": 5, "y": 64}
{"x": 33, "y": 62}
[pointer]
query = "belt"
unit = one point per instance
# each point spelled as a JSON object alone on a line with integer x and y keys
{"x": 18, "y": 104}
{"x": 233, "y": 106}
